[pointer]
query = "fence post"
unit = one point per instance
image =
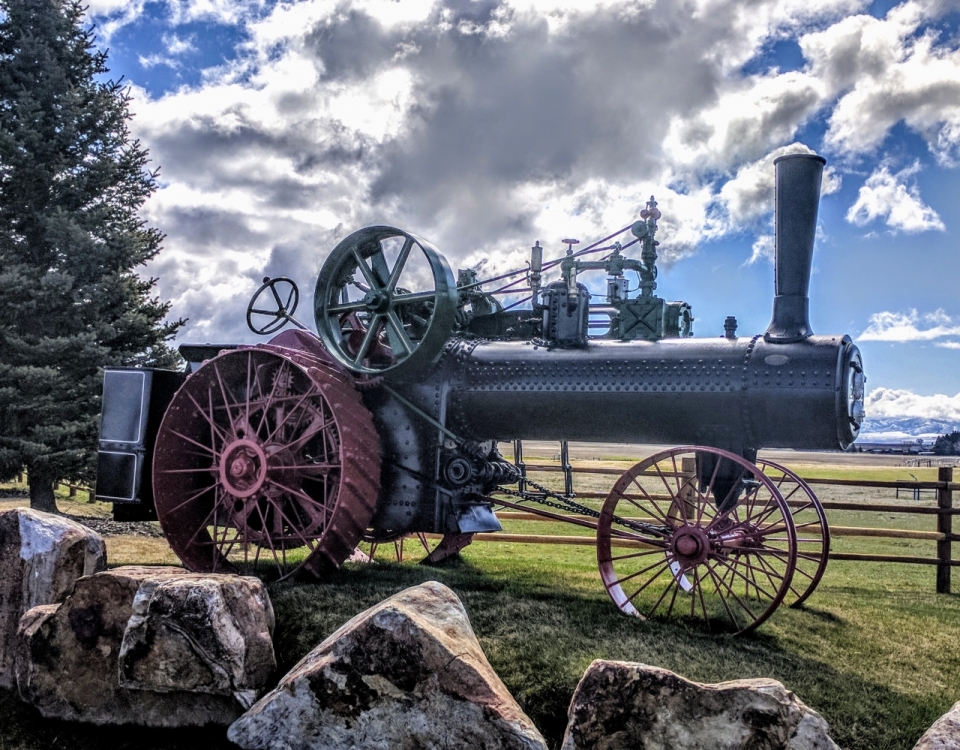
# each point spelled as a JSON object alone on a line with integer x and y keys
{"x": 944, "y": 526}
{"x": 567, "y": 468}
{"x": 518, "y": 462}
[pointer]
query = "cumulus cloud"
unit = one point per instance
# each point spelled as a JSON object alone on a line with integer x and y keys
{"x": 102, "y": 8}
{"x": 910, "y": 326}
{"x": 219, "y": 11}
{"x": 886, "y": 71}
{"x": 746, "y": 122}
{"x": 764, "y": 248}
{"x": 174, "y": 47}
{"x": 883, "y": 403}
{"x": 888, "y": 197}
{"x": 113, "y": 15}
{"x": 485, "y": 126}
{"x": 749, "y": 194}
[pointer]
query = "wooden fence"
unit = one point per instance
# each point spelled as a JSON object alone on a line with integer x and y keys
{"x": 944, "y": 487}
{"x": 73, "y": 489}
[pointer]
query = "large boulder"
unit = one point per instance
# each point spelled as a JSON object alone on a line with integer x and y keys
{"x": 407, "y": 673}
{"x": 621, "y": 706}
{"x": 149, "y": 646}
{"x": 203, "y": 634}
{"x": 944, "y": 734}
{"x": 41, "y": 557}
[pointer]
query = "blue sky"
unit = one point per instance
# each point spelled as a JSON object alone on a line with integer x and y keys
{"x": 486, "y": 125}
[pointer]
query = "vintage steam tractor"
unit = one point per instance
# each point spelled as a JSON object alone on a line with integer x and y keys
{"x": 289, "y": 453}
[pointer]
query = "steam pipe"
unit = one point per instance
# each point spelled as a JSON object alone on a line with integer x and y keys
{"x": 797, "y": 200}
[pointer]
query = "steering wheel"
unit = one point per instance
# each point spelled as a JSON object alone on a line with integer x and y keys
{"x": 283, "y": 299}
{"x": 385, "y": 302}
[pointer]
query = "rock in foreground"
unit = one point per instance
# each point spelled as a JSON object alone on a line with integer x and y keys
{"x": 944, "y": 734}
{"x": 203, "y": 634}
{"x": 408, "y": 673}
{"x": 194, "y": 649}
{"x": 621, "y": 706}
{"x": 41, "y": 556}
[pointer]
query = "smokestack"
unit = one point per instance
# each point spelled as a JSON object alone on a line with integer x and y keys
{"x": 797, "y": 199}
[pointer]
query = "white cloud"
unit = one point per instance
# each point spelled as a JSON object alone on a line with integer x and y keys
{"x": 485, "y": 126}
{"x": 218, "y": 11}
{"x": 886, "y": 196}
{"x": 746, "y": 122}
{"x": 177, "y": 46}
{"x": 886, "y": 71}
{"x": 749, "y": 194}
{"x": 174, "y": 46}
{"x": 764, "y": 248}
{"x": 152, "y": 61}
{"x": 883, "y": 403}
{"x": 910, "y": 326}
{"x": 102, "y": 8}
{"x": 112, "y": 15}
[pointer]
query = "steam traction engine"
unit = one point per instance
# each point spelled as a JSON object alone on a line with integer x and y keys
{"x": 289, "y": 453}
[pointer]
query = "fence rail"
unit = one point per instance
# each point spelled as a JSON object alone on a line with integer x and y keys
{"x": 72, "y": 490}
{"x": 944, "y": 487}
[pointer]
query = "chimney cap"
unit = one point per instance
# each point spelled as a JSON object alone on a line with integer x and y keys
{"x": 799, "y": 156}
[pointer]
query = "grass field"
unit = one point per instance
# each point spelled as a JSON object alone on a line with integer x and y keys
{"x": 875, "y": 650}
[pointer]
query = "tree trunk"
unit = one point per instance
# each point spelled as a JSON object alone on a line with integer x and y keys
{"x": 41, "y": 491}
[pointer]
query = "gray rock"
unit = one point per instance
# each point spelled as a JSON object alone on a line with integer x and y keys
{"x": 620, "y": 705}
{"x": 203, "y": 634}
{"x": 944, "y": 734}
{"x": 41, "y": 556}
{"x": 408, "y": 673}
{"x": 192, "y": 649}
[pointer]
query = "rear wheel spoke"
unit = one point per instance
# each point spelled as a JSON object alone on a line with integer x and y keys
{"x": 281, "y": 472}
{"x": 735, "y": 564}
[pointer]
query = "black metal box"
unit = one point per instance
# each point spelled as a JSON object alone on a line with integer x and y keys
{"x": 134, "y": 401}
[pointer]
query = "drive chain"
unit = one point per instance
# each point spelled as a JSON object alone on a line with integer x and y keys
{"x": 568, "y": 504}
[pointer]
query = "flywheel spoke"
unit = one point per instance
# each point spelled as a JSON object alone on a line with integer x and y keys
{"x": 366, "y": 318}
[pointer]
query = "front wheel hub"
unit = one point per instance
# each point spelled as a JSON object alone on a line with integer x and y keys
{"x": 690, "y": 546}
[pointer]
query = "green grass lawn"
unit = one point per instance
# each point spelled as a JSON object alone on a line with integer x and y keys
{"x": 875, "y": 650}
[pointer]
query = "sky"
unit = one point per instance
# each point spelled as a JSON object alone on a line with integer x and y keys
{"x": 486, "y": 125}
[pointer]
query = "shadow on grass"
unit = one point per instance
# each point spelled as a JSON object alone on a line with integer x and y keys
{"x": 539, "y": 637}
{"x": 820, "y": 614}
{"x": 23, "y": 728}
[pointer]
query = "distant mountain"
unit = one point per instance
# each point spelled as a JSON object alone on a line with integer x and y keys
{"x": 898, "y": 430}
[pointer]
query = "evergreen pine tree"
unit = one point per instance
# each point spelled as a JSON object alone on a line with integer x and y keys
{"x": 71, "y": 183}
{"x": 947, "y": 445}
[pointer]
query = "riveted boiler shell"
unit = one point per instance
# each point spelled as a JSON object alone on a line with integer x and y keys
{"x": 740, "y": 392}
